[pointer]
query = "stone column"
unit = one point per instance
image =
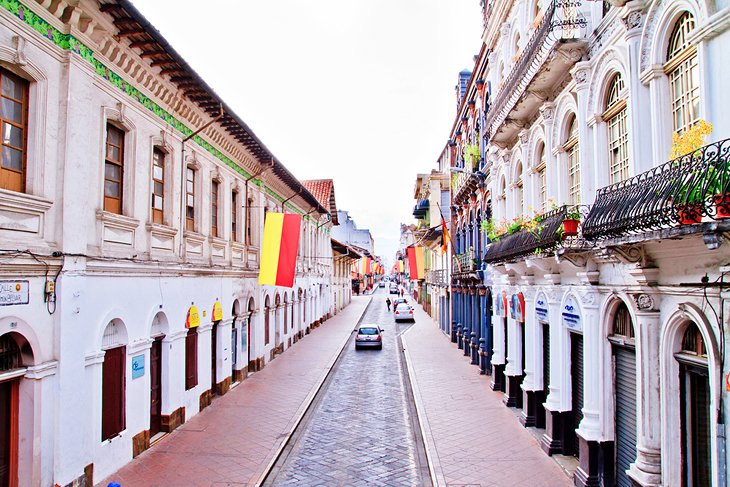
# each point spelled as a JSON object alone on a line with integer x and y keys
{"x": 581, "y": 75}
{"x": 646, "y": 470}
{"x": 499, "y": 354}
{"x": 594, "y": 450}
{"x": 547, "y": 110}
{"x": 514, "y": 370}
{"x": 530, "y": 386}
{"x": 557, "y": 414}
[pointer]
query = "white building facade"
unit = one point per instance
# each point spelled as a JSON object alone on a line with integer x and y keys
{"x": 132, "y": 203}
{"x": 610, "y": 336}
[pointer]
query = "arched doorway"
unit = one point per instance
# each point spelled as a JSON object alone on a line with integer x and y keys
{"x": 15, "y": 356}
{"x": 247, "y": 325}
{"x": 623, "y": 350}
{"x": 235, "y": 323}
{"x": 157, "y": 334}
{"x": 113, "y": 381}
{"x": 694, "y": 402}
{"x": 277, "y": 322}
{"x": 267, "y": 320}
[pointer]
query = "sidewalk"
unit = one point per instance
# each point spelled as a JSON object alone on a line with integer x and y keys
{"x": 235, "y": 439}
{"x": 471, "y": 437}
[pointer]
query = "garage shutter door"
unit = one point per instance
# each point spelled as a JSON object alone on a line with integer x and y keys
{"x": 546, "y": 359}
{"x": 625, "y": 382}
{"x": 576, "y": 376}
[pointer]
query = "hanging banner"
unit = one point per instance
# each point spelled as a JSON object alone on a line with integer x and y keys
{"x": 517, "y": 307}
{"x": 416, "y": 262}
{"x": 541, "y": 309}
{"x": 279, "y": 249}
{"x": 193, "y": 318}
{"x": 217, "y": 313}
{"x": 500, "y": 304}
{"x": 571, "y": 315}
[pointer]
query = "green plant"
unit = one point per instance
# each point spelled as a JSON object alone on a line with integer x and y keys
{"x": 472, "y": 153}
{"x": 572, "y": 213}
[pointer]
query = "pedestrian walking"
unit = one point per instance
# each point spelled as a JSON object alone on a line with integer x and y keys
{"x": 387, "y": 303}
{"x": 401, "y": 292}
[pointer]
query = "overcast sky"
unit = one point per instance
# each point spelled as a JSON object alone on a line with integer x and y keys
{"x": 358, "y": 91}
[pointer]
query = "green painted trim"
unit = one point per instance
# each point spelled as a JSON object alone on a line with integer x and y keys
{"x": 68, "y": 42}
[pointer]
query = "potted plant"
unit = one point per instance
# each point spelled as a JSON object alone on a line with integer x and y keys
{"x": 691, "y": 194}
{"x": 571, "y": 222}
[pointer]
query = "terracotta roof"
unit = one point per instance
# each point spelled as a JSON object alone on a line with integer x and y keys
{"x": 324, "y": 191}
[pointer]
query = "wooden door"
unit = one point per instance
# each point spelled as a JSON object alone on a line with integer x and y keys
{"x": 113, "y": 392}
{"x": 9, "y": 433}
{"x": 156, "y": 386}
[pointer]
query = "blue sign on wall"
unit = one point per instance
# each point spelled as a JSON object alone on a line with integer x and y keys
{"x": 541, "y": 310}
{"x": 137, "y": 366}
{"x": 571, "y": 315}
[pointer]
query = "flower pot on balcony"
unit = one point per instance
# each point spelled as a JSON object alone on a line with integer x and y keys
{"x": 722, "y": 205}
{"x": 570, "y": 227}
{"x": 690, "y": 214}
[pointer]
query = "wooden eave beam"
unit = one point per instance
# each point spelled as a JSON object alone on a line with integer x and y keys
{"x": 164, "y": 71}
{"x": 151, "y": 53}
{"x": 107, "y": 7}
{"x": 130, "y": 32}
{"x": 142, "y": 44}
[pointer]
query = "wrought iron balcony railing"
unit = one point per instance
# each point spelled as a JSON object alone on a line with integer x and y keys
{"x": 464, "y": 262}
{"x": 438, "y": 277}
{"x": 686, "y": 190}
{"x": 527, "y": 58}
{"x": 545, "y": 237}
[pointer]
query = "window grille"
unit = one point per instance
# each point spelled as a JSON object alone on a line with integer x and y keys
{"x": 622, "y": 325}
{"x": 10, "y": 357}
{"x": 692, "y": 342}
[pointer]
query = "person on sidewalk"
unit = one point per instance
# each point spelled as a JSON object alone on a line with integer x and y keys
{"x": 387, "y": 303}
{"x": 401, "y": 292}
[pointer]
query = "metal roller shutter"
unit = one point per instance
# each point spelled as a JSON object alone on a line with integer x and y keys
{"x": 546, "y": 359}
{"x": 576, "y": 377}
{"x": 625, "y": 383}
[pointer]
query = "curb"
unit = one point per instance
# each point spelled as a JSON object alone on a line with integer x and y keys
{"x": 434, "y": 464}
{"x": 302, "y": 411}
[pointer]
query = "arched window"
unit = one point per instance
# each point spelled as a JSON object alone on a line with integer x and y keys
{"x": 503, "y": 198}
{"x": 622, "y": 325}
{"x": 693, "y": 344}
{"x": 541, "y": 171}
{"x": 571, "y": 149}
{"x": 615, "y": 117}
{"x": 519, "y": 191}
{"x": 683, "y": 72}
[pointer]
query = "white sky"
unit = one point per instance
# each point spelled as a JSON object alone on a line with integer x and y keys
{"x": 359, "y": 91}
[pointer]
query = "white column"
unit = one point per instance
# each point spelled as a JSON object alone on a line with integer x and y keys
{"x": 646, "y": 470}
{"x": 551, "y": 174}
{"x": 532, "y": 335}
{"x": 558, "y": 398}
{"x": 581, "y": 75}
{"x": 590, "y": 426}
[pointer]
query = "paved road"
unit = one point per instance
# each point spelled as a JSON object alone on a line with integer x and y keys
{"x": 362, "y": 428}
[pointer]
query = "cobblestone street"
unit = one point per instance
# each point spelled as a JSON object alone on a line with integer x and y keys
{"x": 362, "y": 429}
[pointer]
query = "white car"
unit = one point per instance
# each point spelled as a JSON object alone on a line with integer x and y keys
{"x": 404, "y": 312}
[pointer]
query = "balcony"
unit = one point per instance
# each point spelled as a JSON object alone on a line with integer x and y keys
{"x": 555, "y": 46}
{"x": 681, "y": 196}
{"x": 437, "y": 277}
{"x": 421, "y": 209}
{"x": 546, "y": 237}
{"x": 464, "y": 262}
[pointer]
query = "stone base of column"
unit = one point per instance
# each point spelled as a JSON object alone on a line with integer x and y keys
{"x": 596, "y": 466}
{"x": 646, "y": 471}
{"x": 497, "y": 383}
{"x": 533, "y": 414}
{"x": 559, "y": 434}
{"x": 513, "y": 393}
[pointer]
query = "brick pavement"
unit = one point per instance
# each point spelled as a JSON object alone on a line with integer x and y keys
{"x": 235, "y": 439}
{"x": 471, "y": 437}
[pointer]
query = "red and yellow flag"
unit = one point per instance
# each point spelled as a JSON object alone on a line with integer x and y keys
{"x": 445, "y": 236}
{"x": 279, "y": 249}
{"x": 365, "y": 263}
{"x": 416, "y": 262}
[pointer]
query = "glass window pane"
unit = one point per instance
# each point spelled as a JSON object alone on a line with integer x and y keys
{"x": 190, "y": 200}
{"x": 12, "y": 159}
{"x": 11, "y": 110}
{"x": 190, "y": 212}
{"x": 189, "y": 186}
{"x": 113, "y": 135}
{"x": 157, "y": 202}
{"x": 113, "y": 153}
{"x": 159, "y": 188}
{"x": 157, "y": 173}
{"x": 12, "y": 135}
{"x": 112, "y": 171}
{"x": 111, "y": 189}
{"x": 12, "y": 86}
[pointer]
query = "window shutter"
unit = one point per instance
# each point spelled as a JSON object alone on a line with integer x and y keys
{"x": 191, "y": 359}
